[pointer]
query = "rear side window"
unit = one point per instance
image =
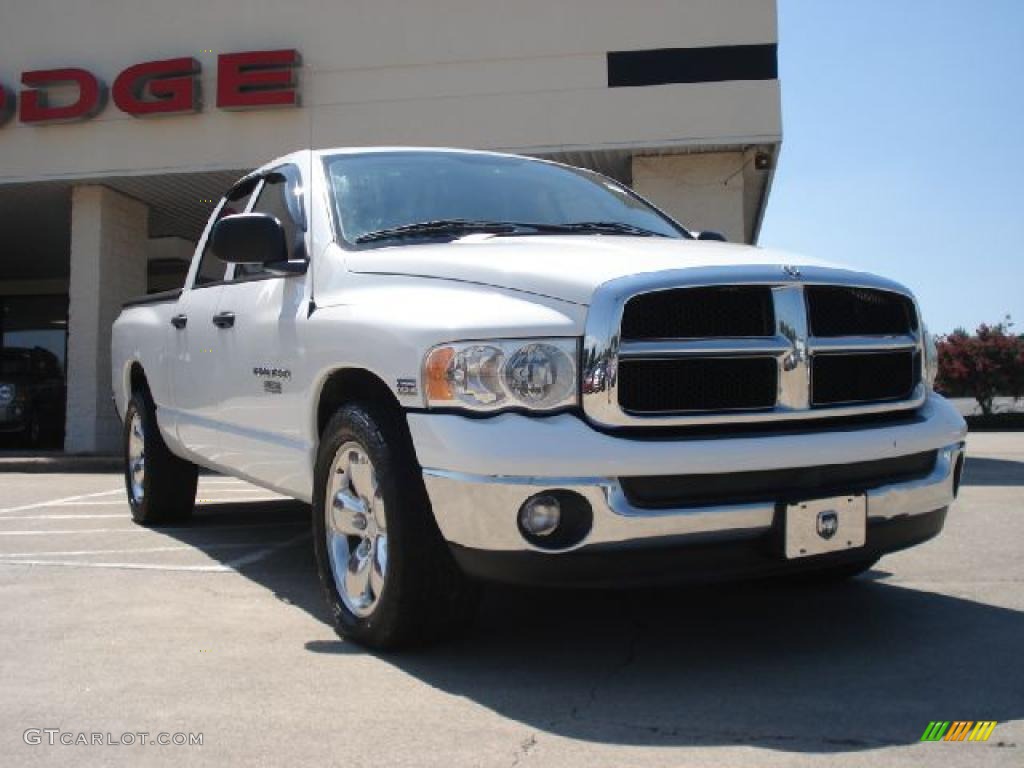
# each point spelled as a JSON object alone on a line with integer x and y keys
{"x": 212, "y": 269}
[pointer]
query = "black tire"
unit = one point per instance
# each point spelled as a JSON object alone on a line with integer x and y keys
{"x": 425, "y": 596}
{"x": 168, "y": 482}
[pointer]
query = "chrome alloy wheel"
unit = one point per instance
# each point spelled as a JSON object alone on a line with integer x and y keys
{"x": 357, "y": 537}
{"x": 137, "y": 458}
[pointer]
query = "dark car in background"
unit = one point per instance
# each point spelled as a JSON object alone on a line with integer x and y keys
{"x": 31, "y": 396}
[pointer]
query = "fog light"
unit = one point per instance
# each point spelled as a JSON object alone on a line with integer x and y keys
{"x": 555, "y": 519}
{"x": 540, "y": 515}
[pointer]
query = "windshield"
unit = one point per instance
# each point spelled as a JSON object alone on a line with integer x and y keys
{"x": 380, "y": 191}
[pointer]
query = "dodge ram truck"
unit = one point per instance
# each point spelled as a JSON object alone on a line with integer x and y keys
{"x": 478, "y": 366}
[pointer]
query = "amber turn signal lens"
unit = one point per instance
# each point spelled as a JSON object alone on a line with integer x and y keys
{"x": 438, "y": 386}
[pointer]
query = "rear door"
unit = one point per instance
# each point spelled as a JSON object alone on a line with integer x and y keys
{"x": 198, "y": 341}
{"x": 263, "y": 406}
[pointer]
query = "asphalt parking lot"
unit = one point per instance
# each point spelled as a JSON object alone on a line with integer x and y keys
{"x": 218, "y": 629}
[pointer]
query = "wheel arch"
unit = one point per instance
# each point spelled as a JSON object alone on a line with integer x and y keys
{"x": 341, "y": 386}
{"x": 133, "y": 377}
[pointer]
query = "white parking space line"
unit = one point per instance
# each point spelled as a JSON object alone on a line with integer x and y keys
{"x": 228, "y": 567}
{"x": 219, "y": 568}
{"x": 202, "y": 498}
{"x": 246, "y": 489}
{"x": 128, "y": 551}
{"x": 246, "y": 500}
{"x": 139, "y": 529}
{"x": 109, "y": 503}
{"x": 59, "y": 517}
{"x": 57, "y": 502}
{"x": 260, "y": 554}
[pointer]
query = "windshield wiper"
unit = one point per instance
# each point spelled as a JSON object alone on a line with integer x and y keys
{"x": 442, "y": 227}
{"x": 438, "y": 227}
{"x": 577, "y": 227}
{"x": 609, "y": 228}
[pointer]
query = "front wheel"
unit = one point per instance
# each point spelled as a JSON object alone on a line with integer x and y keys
{"x": 161, "y": 487}
{"x": 386, "y": 572}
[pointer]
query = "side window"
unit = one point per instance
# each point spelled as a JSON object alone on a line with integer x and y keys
{"x": 279, "y": 198}
{"x": 212, "y": 269}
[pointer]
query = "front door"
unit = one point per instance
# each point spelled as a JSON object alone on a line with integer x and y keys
{"x": 198, "y": 343}
{"x": 264, "y": 406}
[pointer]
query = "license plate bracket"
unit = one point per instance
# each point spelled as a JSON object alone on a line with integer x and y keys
{"x": 820, "y": 526}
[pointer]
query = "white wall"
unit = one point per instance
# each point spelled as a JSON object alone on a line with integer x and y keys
{"x": 527, "y": 76}
{"x": 701, "y": 191}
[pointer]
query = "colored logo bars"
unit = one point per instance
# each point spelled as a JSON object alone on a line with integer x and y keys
{"x": 958, "y": 730}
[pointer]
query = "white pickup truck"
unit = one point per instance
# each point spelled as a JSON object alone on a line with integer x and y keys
{"x": 483, "y": 366}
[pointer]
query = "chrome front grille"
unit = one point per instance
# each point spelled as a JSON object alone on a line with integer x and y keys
{"x": 723, "y": 311}
{"x": 863, "y": 377}
{"x": 835, "y": 310}
{"x": 698, "y": 384}
{"x": 730, "y": 345}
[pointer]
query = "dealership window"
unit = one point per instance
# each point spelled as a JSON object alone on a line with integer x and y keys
{"x": 212, "y": 269}
{"x": 29, "y": 322}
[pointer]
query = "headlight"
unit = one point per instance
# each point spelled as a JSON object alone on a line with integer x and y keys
{"x": 7, "y": 393}
{"x": 931, "y": 358}
{"x": 537, "y": 374}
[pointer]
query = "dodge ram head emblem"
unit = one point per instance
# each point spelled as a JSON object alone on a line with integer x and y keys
{"x": 791, "y": 271}
{"x": 828, "y": 524}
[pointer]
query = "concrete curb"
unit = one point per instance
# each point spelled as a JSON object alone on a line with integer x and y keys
{"x": 44, "y": 463}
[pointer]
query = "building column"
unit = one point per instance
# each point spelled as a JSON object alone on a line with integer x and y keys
{"x": 702, "y": 191}
{"x": 108, "y": 266}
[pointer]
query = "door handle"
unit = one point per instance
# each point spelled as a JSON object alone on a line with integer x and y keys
{"x": 179, "y": 321}
{"x": 224, "y": 319}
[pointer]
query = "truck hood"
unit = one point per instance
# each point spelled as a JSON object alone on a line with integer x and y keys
{"x": 567, "y": 267}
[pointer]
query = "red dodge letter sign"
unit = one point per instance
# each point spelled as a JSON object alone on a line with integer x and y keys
{"x": 6, "y": 104}
{"x": 245, "y": 80}
{"x": 257, "y": 79}
{"x": 158, "y": 88}
{"x": 35, "y": 109}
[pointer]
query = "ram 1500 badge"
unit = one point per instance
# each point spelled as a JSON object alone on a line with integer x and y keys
{"x": 483, "y": 366}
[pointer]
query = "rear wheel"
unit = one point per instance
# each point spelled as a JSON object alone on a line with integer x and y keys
{"x": 386, "y": 572}
{"x": 161, "y": 487}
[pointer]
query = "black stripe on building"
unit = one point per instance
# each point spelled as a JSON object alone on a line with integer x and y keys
{"x": 692, "y": 65}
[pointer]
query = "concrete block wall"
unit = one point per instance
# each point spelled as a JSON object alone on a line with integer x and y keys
{"x": 108, "y": 266}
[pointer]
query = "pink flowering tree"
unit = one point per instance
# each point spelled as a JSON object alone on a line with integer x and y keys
{"x": 984, "y": 365}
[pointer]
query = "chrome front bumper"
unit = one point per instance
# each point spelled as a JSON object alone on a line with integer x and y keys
{"x": 480, "y": 511}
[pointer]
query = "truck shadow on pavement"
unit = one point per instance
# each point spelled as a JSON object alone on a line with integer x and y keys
{"x": 808, "y": 669}
{"x": 980, "y": 471}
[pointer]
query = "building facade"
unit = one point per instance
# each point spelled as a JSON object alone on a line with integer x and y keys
{"x": 122, "y": 124}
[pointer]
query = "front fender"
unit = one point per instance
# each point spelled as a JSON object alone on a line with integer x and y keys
{"x": 386, "y": 324}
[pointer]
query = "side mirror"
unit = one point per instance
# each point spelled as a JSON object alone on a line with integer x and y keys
{"x": 709, "y": 234}
{"x": 249, "y": 238}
